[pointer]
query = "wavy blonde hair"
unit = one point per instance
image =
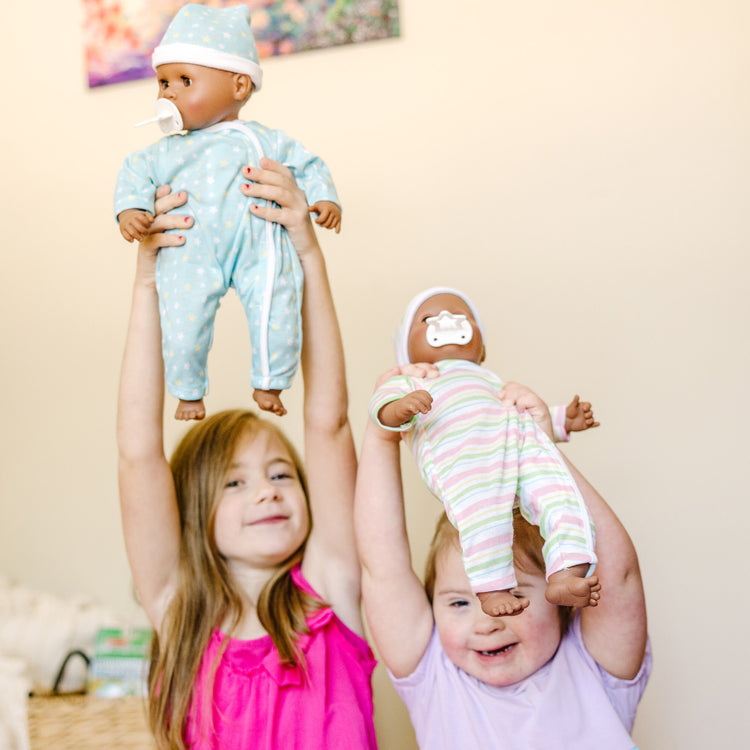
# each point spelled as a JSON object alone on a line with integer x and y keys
{"x": 207, "y": 593}
{"x": 527, "y": 555}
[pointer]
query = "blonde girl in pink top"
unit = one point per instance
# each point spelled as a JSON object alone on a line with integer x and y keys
{"x": 256, "y": 609}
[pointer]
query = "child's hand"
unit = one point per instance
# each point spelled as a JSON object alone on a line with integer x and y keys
{"x": 329, "y": 215}
{"x": 286, "y": 205}
{"x": 398, "y": 412}
{"x": 524, "y": 399}
{"x": 135, "y": 224}
{"x": 579, "y": 416}
{"x": 412, "y": 370}
{"x": 157, "y": 236}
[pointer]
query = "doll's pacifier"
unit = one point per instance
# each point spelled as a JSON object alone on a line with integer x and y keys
{"x": 446, "y": 328}
{"x": 167, "y": 115}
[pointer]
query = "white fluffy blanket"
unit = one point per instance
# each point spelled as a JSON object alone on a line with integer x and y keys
{"x": 37, "y": 631}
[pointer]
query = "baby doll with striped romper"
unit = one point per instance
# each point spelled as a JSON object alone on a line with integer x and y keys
{"x": 480, "y": 457}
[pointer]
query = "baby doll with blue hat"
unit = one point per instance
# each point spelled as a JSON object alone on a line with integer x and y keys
{"x": 207, "y": 68}
{"x": 481, "y": 457}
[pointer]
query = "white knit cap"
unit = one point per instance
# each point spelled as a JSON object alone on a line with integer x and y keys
{"x": 401, "y": 336}
{"x": 213, "y": 37}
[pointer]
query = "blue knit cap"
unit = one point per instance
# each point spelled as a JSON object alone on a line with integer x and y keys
{"x": 213, "y": 37}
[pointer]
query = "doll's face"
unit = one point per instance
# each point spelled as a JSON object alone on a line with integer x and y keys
{"x": 203, "y": 95}
{"x": 421, "y": 351}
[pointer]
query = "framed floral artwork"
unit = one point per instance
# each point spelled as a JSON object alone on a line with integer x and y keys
{"x": 120, "y": 35}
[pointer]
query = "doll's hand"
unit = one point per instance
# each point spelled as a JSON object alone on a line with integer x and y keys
{"x": 329, "y": 215}
{"x": 579, "y": 416}
{"x": 135, "y": 223}
{"x": 524, "y": 399}
{"x": 398, "y": 412}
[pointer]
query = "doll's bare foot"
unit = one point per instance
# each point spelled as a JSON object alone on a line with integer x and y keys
{"x": 570, "y": 588}
{"x": 188, "y": 410}
{"x": 501, "y": 603}
{"x": 269, "y": 401}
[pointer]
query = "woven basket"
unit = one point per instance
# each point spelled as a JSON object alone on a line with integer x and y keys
{"x": 83, "y": 722}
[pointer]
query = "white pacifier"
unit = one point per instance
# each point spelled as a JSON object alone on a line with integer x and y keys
{"x": 167, "y": 115}
{"x": 447, "y": 328}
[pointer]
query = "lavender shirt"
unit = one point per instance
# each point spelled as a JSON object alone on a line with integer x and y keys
{"x": 571, "y": 703}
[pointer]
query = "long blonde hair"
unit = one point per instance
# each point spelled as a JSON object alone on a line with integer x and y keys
{"x": 527, "y": 554}
{"x": 207, "y": 593}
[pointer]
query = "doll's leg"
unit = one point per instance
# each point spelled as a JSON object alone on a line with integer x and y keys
{"x": 479, "y": 484}
{"x": 189, "y": 296}
{"x": 269, "y": 285}
{"x": 550, "y": 499}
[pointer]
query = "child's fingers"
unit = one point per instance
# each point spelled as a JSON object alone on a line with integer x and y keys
{"x": 276, "y": 168}
{"x": 170, "y": 221}
{"x": 270, "y": 172}
{"x": 511, "y": 392}
{"x": 155, "y": 240}
{"x": 419, "y": 370}
{"x": 386, "y": 375}
{"x": 167, "y": 200}
{"x": 267, "y": 212}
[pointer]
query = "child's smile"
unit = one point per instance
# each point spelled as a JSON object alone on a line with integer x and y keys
{"x": 496, "y": 650}
{"x": 262, "y": 516}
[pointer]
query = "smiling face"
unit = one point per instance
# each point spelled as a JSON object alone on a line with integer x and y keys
{"x": 262, "y": 516}
{"x": 496, "y": 650}
{"x": 204, "y": 96}
{"x": 421, "y": 351}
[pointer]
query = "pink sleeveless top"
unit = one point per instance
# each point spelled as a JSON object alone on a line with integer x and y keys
{"x": 259, "y": 704}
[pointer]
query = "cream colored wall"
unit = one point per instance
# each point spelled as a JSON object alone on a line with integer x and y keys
{"x": 579, "y": 168}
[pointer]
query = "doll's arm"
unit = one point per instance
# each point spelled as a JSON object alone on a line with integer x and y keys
{"x": 394, "y": 403}
{"x": 574, "y": 417}
{"x": 579, "y": 416}
{"x": 329, "y": 215}
{"x": 134, "y": 196}
{"x": 135, "y": 224}
{"x": 314, "y": 177}
{"x": 397, "y": 413}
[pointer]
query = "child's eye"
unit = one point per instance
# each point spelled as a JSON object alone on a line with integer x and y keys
{"x": 233, "y": 483}
{"x": 186, "y": 81}
{"x": 280, "y": 475}
{"x": 163, "y": 85}
{"x": 458, "y": 603}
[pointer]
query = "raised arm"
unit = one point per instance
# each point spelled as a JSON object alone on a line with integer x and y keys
{"x": 615, "y": 631}
{"x": 147, "y": 498}
{"x": 398, "y": 612}
{"x": 330, "y": 561}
